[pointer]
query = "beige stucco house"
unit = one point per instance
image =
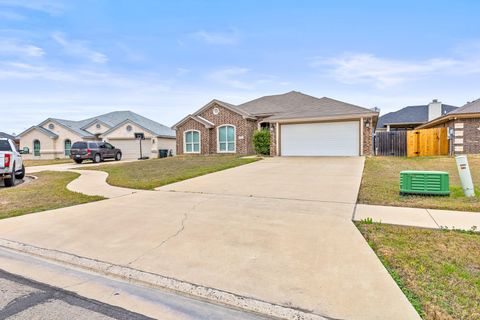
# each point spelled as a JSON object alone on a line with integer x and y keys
{"x": 53, "y": 138}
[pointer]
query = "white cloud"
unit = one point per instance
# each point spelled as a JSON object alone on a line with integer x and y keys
{"x": 10, "y": 15}
{"x": 382, "y": 72}
{"x": 218, "y": 38}
{"x": 9, "y": 47}
{"x": 79, "y": 48}
{"x": 47, "y": 6}
{"x": 232, "y": 77}
{"x": 182, "y": 71}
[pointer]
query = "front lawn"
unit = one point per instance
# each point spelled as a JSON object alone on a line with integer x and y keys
{"x": 149, "y": 174}
{"x": 438, "y": 270}
{"x": 47, "y": 192}
{"x": 381, "y": 183}
{"x": 34, "y": 163}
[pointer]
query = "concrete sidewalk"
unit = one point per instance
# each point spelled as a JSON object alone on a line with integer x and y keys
{"x": 90, "y": 182}
{"x": 418, "y": 217}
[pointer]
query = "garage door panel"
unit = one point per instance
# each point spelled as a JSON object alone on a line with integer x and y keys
{"x": 131, "y": 149}
{"x": 320, "y": 139}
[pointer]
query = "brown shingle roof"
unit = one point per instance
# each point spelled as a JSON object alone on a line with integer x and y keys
{"x": 295, "y": 104}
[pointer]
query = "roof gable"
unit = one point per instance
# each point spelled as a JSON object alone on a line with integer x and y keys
{"x": 112, "y": 120}
{"x": 46, "y": 132}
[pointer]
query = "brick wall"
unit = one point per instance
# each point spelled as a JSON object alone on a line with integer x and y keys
{"x": 466, "y": 135}
{"x": 244, "y": 129}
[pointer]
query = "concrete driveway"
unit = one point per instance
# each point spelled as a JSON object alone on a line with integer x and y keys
{"x": 278, "y": 230}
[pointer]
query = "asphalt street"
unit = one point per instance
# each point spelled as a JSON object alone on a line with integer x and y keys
{"x": 21, "y": 298}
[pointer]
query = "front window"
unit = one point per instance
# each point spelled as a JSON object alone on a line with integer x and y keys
{"x": 192, "y": 141}
{"x": 226, "y": 138}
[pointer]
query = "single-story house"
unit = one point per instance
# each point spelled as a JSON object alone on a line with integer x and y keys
{"x": 53, "y": 138}
{"x": 300, "y": 125}
{"x": 411, "y": 117}
{"x": 464, "y": 124}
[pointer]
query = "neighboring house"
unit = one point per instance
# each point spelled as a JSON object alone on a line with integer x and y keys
{"x": 300, "y": 125}
{"x": 9, "y": 136}
{"x": 464, "y": 123}
{"x": 53, "y": 138}
{"x": 413, "y": 116}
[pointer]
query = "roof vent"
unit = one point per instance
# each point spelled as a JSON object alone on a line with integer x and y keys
{"x": 434, "y": 100}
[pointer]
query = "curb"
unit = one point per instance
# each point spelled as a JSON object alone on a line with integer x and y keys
{"x": 186, "y": 288}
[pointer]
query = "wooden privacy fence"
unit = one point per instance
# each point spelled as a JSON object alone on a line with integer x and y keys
{"x": 427, "y": 142}
{"x": 391, "y": 143}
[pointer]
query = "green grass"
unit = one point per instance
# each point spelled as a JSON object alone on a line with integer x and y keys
{"x": 34, "y": 163}
{"x": 47, "y": 192}
{"x": 381, "y": 183}
{"x": 149, "y": 174}
{"x": 438, "y": 270}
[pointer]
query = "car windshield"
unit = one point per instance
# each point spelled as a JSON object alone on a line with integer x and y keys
{"x": 5, "y": 146}
{"x": 79, "y": 145}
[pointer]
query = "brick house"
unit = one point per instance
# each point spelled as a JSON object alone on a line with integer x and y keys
{"x": 300, "y": 125}
{"x": 464, "y": 124}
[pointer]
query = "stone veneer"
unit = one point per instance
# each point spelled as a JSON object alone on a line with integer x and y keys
{"x": 466, "y": 135}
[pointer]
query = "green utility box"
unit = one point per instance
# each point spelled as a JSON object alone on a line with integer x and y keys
{"x": 425, "y": 182}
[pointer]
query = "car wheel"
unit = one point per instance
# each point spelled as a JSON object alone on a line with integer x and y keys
{"x": 78, "y": 161}
{"x": 97, "y": 158}
{"x": 118, "y": 156}
{"x": 21, "y": 175}
{"x": 10, "y": 182}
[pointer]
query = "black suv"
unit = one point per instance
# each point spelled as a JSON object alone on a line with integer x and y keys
{"x": 94, "y": 150}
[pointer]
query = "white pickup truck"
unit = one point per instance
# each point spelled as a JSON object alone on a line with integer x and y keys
{"x": 11, "y": 163}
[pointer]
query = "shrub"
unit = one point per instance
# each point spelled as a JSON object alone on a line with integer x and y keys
{"x": 261, "y": 141}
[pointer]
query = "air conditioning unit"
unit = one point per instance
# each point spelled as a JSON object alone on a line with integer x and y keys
{"x": 434, "y": 183}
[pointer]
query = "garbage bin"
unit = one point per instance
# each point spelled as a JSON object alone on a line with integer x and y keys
{"x": 163, "y": 153}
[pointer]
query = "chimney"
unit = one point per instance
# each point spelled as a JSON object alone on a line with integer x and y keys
{"x": 434, "y": 109}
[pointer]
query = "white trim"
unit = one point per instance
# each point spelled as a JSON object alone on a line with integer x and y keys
{"x": 361, "y": 136}
{"x": 199, "y": 142}
{"x": 234, "y": 138}
{"x": 207, "y": 121}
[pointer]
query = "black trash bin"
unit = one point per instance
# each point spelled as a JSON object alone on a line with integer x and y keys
{"x": 163, "y": 153}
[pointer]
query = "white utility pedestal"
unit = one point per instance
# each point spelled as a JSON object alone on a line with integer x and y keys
{"x": 465, "y": 176}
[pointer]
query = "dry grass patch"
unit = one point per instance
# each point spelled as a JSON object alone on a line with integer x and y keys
{"x": 34, "y": 163}
{"x": 439, "y": 271}
{"x": 47, "y": 192}
{"x": 381, "y": 183}
{"x": 149, "y": 174}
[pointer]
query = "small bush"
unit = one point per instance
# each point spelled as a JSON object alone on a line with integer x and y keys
{"x": 261, "y": 142}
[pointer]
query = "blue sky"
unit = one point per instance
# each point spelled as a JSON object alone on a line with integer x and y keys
{"x": 165, "y": 59}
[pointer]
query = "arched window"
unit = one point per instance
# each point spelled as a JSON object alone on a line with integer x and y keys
{"x": 226, "y": 138}
{"x": 191, "y": 141}
{"x": 67, "y": 147}
{"x": 36, "y": 148}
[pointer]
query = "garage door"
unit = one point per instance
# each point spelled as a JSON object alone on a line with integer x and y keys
{"x": 320, "y": 139}
{"x": 131, "y": 148}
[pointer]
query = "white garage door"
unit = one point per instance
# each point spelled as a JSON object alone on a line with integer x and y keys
{"x": 320, "y": 139}
{"x": 131, "y": 148}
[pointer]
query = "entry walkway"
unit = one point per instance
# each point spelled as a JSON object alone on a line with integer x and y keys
{"x": 418, "y": 217}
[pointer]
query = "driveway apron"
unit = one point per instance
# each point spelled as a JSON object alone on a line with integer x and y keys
{"x": 278, "y": 230}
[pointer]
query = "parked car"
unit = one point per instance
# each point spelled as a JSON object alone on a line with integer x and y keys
{"x": 11, "y": 163}
{"x": 94, "y": 150}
